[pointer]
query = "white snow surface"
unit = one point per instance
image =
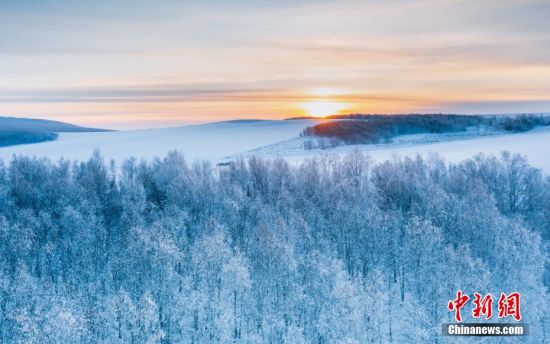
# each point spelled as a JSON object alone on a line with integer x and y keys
{"x": 223, "y": 141}
{"x": 534, "y": 144}
{"x": 211, "y": 141}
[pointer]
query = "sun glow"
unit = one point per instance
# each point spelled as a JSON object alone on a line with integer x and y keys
{"x": 323, "y": 108}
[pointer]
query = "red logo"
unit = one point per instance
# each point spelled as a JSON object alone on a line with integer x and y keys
{"x": 483, "y": 306}
{"x": 457, "y": 304}
{"x": 507, "y": 305}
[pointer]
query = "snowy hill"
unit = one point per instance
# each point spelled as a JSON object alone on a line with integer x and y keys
{"x": 534, "y": 144}
{"x": 213, "y": 141}
{"x": 16, "y": 131}
{"x": 223, "y": 141}
{"x": 41, "y": 125}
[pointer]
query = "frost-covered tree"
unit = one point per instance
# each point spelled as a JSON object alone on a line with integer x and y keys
{"x": 335, "y": 250}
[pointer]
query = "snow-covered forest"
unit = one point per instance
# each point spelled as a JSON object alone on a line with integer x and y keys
{"x": 332, "y": 251}
{"x": 368, "y": 129}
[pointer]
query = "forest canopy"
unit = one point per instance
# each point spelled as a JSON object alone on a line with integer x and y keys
{"x": 332, "y": 251}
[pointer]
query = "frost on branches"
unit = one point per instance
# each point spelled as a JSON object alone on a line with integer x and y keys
{"x": 332, "y": 251}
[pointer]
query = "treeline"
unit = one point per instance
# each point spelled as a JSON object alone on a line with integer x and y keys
{"x": 331, "y": 251}
{"x": 16, "y": 137}
{"x": 365, "y": 129}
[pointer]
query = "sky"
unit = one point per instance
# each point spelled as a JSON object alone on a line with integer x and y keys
{"x": 143, "y": 63}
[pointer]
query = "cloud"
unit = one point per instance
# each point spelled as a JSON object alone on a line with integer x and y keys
{"x": 260, "y": 54}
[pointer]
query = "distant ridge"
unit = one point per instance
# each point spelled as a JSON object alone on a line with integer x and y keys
{"x": 371, "y": 115}
{"x": 41, "y": 125}
{"x": 16, "y": 131}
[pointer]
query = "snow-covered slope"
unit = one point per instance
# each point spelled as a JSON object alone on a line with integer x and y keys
{"x": 223, "y": 141}
{"x": 212, "y": 141}
{"x": 41, "y": 125}
{"x": 534, "y": 144}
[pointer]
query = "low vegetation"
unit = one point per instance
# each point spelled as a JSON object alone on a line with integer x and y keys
{"x": 16, "y": 137}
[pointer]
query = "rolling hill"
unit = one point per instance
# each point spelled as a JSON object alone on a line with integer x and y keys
{"x": 42, "y": 126}
{"x": 16, "y": 131}
{"x": 213, "y": 141}
{"x": 225, "y": 141}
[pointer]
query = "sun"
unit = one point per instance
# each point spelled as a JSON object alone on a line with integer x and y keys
{"x": 323, "y": 108}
